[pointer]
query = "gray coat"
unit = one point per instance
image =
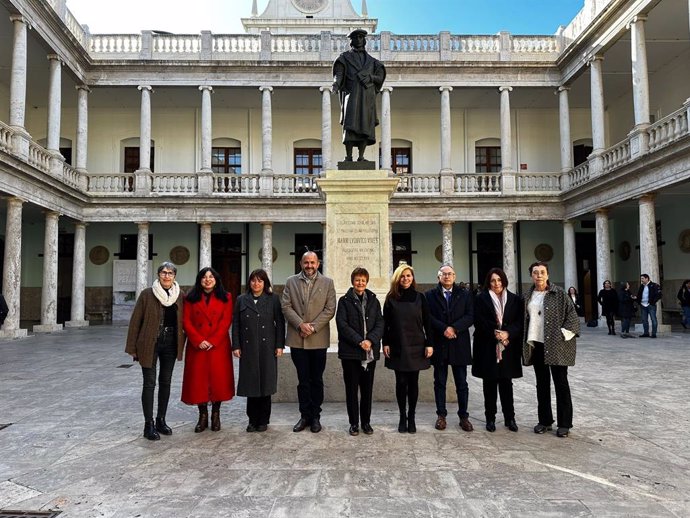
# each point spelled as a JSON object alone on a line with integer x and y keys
{"x": 258, "y": 329}
{"x": 318, "y": 309}
{"x": 559, "y": 312}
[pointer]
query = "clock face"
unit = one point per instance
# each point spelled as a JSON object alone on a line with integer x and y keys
{"x": 310, "y": 6}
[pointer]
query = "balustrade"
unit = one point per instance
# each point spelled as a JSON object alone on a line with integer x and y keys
{"x": 174, "y": 183}
{"x": 295, "y": 184}
{"x": 535, "y": 44}
{"x": 76, "y": 29}
{"x": 579, "y": 175}
{"x": 415, "y": 43}
{"x": 617, "y": 155}
{"x": 70, "y": 175}
{"x": 116, "y": 183}
{"x": 5, "y": 137}
{"x": 236, "y": 44}
{"x": 115, "y": 44}
{"x": 478, "y": 183}
{"x": 475, "y": 44}
{"x": 39, "y": 157}
{"x": 538, "y": 182}
{"x": 295, "y": 43}
{"x": 669, "y": 129}
{"x": 176, "y": 43}
{"x": 419, "y": 183}
{"x": 236, "y": 183}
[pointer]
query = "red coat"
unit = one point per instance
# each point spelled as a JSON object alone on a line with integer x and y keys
{"x": 208, "y": 374}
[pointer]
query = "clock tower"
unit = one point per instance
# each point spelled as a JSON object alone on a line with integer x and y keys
{"x": 309, "y": 17}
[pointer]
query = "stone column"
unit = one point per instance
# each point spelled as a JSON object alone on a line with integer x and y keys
{"x": 509, "y": 253}
{"x": 142, "y": 175}
{"x": 54, "y": 103}
{"x": 82, "y": 127}
{"x": 596, "y": 166}
{"x": 267, "y": 247}
{"x": 507, "y": 169}
{"x": 603, "y": 247}
{"x": 18, "y": 73}
{"x": 639, "y": 142}
{"x": 12, "y": 269}
{"x": 569, "y": 255}
{"x": 204, "y": 245}
{"x": 386, "y": 135}
{"x": 445, "y": 129}
{"x": 142, "y": 257}
{"x": 206, "y": 128}
{"x": 447, "y": 242}
{"x": 326, "y": 138}
{"x": 266, "y": 130}
{"x": 649, "y": 252}
{"x": 78, "y": 278}
{"x": 566, "y": 142}
{"x": 390, "y": 240}
{"x": 50, "y": 277}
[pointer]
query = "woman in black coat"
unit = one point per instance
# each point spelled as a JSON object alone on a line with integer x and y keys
{"x": 360, "y": 328}
{"x": 258, "y": 338}
{"x": 608, "y": 299}
{"x": 626, "y": 309}
{"x": 497, "y": 346}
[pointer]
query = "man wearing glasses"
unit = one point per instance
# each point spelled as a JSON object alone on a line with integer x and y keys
{"x": 452, "y": 314}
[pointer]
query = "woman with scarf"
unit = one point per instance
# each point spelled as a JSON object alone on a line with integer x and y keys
{"x": 155, "y": 336}
{"x": 208, "y": 372}
{"x": 406, "y": 346}
{"x": 360, "y": 327}
{"x": 497, "y": 346}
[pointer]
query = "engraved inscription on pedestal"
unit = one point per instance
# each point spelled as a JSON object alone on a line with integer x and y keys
{"x": 359, "y": 242}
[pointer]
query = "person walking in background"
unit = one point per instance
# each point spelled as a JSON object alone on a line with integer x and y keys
{"x": 647, "y": 297}
{"x": 575, "y": 297}
{"x": 684, "y": 301}
{"x": 208, "y": 372}
{"x": 156, "y": 336}
{"x": 451, "y": 312}
{"x": 406, "y": 341}
{"x": 4, "y": 310}
{"x": 308, "y": 303}
{"x": 258, "y": 338}
{"x": 360, "y": 328}
{"x": 626, "y": 309}
{"x": 608, "y": 299}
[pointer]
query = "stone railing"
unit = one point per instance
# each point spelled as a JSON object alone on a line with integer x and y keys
{"x": 114, "y": 44}
{"x": 113, "y": 183}
{"x": 236, "y": 183}
{"x": 475, "y": 44}
{"x": 415, "y": 43}
{"x": 419, "y": 183}
{"x": 71, "y": 176}
{"x": 39, "y": 157}
{"x": 236, "y": 44}
{"x": 617, "y": 155}
{"x": 669, "y": 129}
{"x": 76, "y": 29}
{"x": 295, "y": 44}
{"x": 295, "y": 184}
{"x": 538, "y": 182}
{"x": 579, "y": 175}
{"x": 5, "y": 137}
{"x": 587, "y": 14}
{"x": 478, "y": 183}
{"x": 176, "y": 44}
{"x": 535, "y": 45}
{"x": 174, "y": 183}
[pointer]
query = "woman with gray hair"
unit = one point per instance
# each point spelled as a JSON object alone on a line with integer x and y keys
{"x": 156, "y": 335}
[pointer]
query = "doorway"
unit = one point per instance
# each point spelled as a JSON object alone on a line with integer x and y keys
{"x": 226, "y": 258}
{"x": 586, "y": 257}
{"x": 64, "y": 287}
{"x": 489, "y": 253}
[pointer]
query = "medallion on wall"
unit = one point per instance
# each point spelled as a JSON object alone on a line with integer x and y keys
{"x": 543, "y": 252}
{"x": 99, "y": 255}
{"x": 684, "y": 241}
{"x": 179, "y": 255}
{"x": 261, "y": 254}
{"x": 624, "y": 250}
{"x": 310, "y": 6}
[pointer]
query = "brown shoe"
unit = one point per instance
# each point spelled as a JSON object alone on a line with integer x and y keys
{"x": 440, "y": 423}
{"x": 465, "y": 424}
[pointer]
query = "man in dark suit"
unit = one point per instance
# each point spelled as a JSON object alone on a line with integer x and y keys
{"x": 452, "y": 314}
{"x": 647, "y": 297}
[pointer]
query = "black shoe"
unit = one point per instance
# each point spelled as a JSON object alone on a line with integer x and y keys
{"x": 512, "y": 425}
{"x": 367, "y": 429}
{"x": 300, "y": 425}
{"x": 162, "y": 427}
{"x": 411, "y": 425}
{"x": 562, "y": 432}
{"x": 645, "y": 335}
{"x": 354, "y": 430}
{"x": 542, "y": 428}
{"x": 251, "y": 428}
{"x": 262, "y": 428}
{"x": 215, "y": 421}
{"x": 684, "y": 326}
{"x": 150, "y": 431}
{"x": 315, "y": 425}
{"x": 202, "y": 424}
{"x": 653, "y": 336}
{"x": 490, "y": 426}
{"x": 402, "y": 425}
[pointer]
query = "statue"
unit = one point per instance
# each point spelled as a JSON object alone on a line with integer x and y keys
{"x": 357, "y": 78}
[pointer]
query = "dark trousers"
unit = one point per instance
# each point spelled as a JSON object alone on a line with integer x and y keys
{"x": 649, "y": 312}
{"x": 564, "y": 403}
{"x": 259, "y": 410}
{"x": 166, "y": 354}
{"x": 610, "y": 321}
{"x": 625, "y": 325}
{"x": 407, "y": 391}
{"x": 358, "y": 380}
{"x": 504, "y": 387}
{"x": 310, "y": 364}
{"x": 461, "y": 389}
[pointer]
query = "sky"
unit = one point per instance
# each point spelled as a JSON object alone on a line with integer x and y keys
{"x": 396, "y": 16}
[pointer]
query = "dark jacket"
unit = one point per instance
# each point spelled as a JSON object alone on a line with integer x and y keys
{"x": 349, "y": 319}
{"x": 608, "y": 300}
{"x": 684, "y": 296}
{"x": 654, "y": 293}
{"x": 484, "y": 364}
{"x": 460, "y": 316}
{"x": 258, "y": 329}
{"x": 406, "y": 331}
{"x": 626, "y": 304}
{"x": 4, "y": 310}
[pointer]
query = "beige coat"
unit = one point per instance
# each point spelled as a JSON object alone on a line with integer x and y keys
{"x": 317, "y": 310}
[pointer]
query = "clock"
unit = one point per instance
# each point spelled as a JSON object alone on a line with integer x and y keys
{"x": 310, "y": 6}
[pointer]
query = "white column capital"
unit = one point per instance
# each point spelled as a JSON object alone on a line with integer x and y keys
{"x": 445, "y": 89}
{"x": 648, "y": 197}
{"x": 602, "y": 210}
{"x": 265, "y": 88}
{"x": 19, "y": 18}
{"x": 326, "y": 89}
{"x": 82, "y": 87}
{"x": 54, "y": 57}
{"x": 505, "y": 89}
{"x": 562, "y": 89}
{"x": 387, "y": 88}
{"x": 636, "y": 18}
{"x": 594, "y": 59}
{"x": 145, "y": 87}
{"x": 206, "y": 87}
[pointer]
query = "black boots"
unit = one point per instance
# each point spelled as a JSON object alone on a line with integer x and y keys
{"x": 150, "y": 431}
{"x": 203, "y": 419}
{"x": 402, "y": 425}
{"x": 162, "y": 427}
{"x": 411, "y": 425}
{"x": 215, "y": 417}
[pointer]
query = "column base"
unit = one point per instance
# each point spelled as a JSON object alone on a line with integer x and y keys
{"x": 47, "y": 328}
{"x": 14, "y": 333}
{"x": 77, "y": 323}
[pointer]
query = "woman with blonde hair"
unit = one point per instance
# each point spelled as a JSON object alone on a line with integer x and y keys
{"x": 405, "y": 344}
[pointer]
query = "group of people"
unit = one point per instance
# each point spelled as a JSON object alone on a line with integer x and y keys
{"x": 414, "y": 330}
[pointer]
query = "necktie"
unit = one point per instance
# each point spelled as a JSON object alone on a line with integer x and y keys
{"x": 447, "y": 294}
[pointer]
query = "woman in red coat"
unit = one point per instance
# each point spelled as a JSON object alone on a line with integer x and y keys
{"x": 208, "y": 374}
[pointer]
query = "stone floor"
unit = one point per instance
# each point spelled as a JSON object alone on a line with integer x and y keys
{"x": 74, "y": 444}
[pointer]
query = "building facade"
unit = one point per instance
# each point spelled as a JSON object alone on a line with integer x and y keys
{"x": 120, "y": 151}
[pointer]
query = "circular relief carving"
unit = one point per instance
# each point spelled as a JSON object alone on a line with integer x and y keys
{"x": 261, "y": 254}
{"x": 624, "y": 250}
{"x": 543, "y": 252}
{"x": 438, "y": 253}
{"x": 179, "y": 255}
{"x": 99, "y": 255}
{"x": 310, "y": 6}
{"x": 684, "y": 241}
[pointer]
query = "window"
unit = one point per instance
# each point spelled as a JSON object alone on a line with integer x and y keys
{"x": 580, "y": 153}
{"x": 132, "y": 158}
{"x": 226, "y": 160}
{"x": 487, "y": 159}
{"x": 128, "y": 246}
{"x": 308, "y": 161}
{"x": 401, "y": 160}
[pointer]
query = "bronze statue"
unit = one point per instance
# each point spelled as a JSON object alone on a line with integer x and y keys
{"x": 357, "y": 78}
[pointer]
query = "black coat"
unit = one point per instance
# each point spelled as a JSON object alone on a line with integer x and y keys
{"x": 258, "y": 329}
{"x": 348, "y": 319}
{"x": 609, "y": 301}
{"x": 626, "y": 304}
{"x": 460, "y": 316}
{"x": 406, "y": 331}
{"x": 484, "y": 363}
{"x": 654, "y": 293}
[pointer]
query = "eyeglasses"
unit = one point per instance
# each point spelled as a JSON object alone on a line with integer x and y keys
{"x": 166, "y": 274}
{"x": 447, "y": 274}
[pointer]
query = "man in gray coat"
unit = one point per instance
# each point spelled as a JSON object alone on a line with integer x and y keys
{"x": 308, "y": 303}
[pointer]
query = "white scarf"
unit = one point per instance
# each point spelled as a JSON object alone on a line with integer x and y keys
{"x": 499, "y": 305}
{"x": 167, "y": 298}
